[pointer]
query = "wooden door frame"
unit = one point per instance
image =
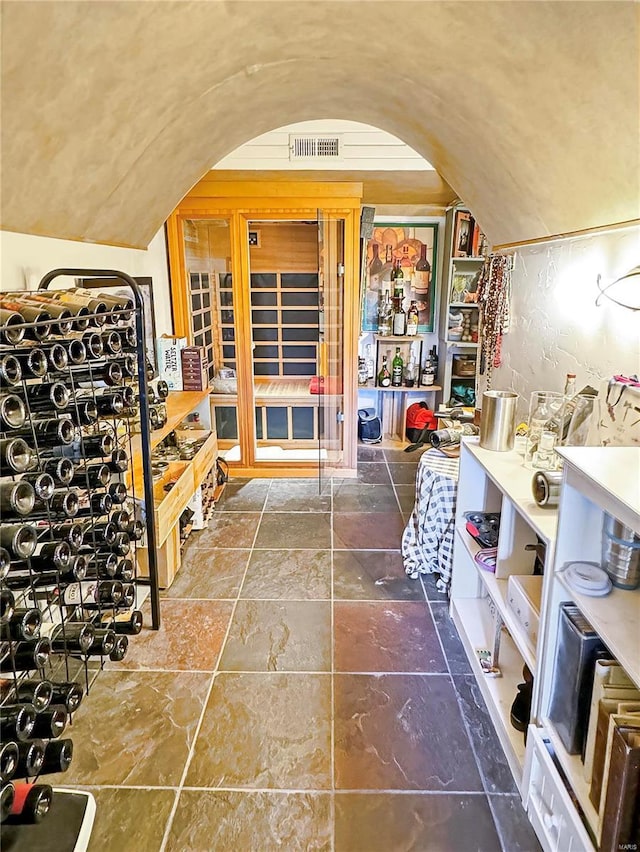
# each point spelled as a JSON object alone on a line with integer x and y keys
{"x": 240, "y": 202}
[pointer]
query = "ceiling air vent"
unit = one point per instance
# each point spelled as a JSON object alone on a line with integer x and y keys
{"x": 314, "y": 147}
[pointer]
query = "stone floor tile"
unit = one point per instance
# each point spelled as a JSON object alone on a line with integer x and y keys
{"x": 400, "y": 457}
{"x": 135, "y": 728}
{"x": 244, "y": 822}
{"x": 512, "y": 824}
{"x": 373, "y": 531}
{"x": 367, "y": 453}
{"x": 373, "y": 472}
{"x": 407, "y": 497}
{"x": 354, "y": 496}
{"x": 293, "y": 574}
{"x": 453, "y": 649}
{"x": 417, "y": 822}
{"x": 389, "y": 636}
{"x": 372, "y": 575}
{"x": 489, "y": 753}
{"x": 118, "y": 826}
{"x": 189, "y": 639}
{"x": 401, "y": 732}
{"x": 310, "y": 530}
{"x": 265, "y": 731}
{"x": 225, "y": 529}
{"x": 429, "y": 584}
{"x": 270, "y": 636}
{"x": 403, "y": 473}
{"x": 299, "y": 495}
{"x": 246, "y": 495}
{"x": 213, "y": 573}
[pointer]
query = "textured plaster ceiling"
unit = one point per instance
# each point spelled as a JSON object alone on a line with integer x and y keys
{"x": 111, "y": 111}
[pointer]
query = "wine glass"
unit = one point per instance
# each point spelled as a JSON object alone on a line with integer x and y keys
{"x": 584, "y": 424}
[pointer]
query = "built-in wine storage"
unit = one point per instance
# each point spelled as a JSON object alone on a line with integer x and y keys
{"x": 73, "y": 394}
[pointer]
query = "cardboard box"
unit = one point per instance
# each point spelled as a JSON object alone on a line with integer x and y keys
{"x": 524, "y": 595}
{"x": 194, "y": 368}
{"x": 169, "y": 360}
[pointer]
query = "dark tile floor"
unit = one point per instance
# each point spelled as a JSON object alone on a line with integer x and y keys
{"x": 302, "y": 694}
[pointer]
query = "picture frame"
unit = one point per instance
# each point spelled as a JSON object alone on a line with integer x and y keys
{"x": 462, "y": 234}
{"x": 413, "y": 244}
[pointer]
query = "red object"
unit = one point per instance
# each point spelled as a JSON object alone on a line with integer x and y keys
{"x": 419, "y": 416}
{"x": 330, "y": 385}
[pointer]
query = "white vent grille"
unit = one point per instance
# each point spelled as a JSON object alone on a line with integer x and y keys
{"x": 314, "y": 147}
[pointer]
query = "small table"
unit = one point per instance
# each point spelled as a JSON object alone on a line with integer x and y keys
{"x": 392, "y": 404}
{"x": 427, "y": 540}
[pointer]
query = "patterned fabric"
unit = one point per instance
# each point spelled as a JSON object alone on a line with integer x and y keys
{"x": 427, "y": 541}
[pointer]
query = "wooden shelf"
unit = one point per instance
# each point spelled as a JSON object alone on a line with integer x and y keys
{"x": 462, "y": 344}
{"x": 464, "y": 305}
{"x": 419, "y": 389}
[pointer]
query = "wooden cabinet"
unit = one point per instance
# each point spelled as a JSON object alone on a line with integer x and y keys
{"x": 185, "y": 476}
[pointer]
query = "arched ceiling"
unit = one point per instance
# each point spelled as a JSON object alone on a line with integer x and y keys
{"x": 113, "y": 110}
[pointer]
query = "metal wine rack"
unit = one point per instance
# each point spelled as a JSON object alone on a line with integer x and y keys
{"x": 49, "y": 584}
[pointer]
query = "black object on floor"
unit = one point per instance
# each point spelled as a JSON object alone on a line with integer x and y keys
{"x": 66, "y": 828}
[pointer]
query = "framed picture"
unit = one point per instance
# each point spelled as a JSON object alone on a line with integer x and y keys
{"x": 415, "y": 245}
{"x": 462, "y": 234}
{"x": 463, "y": 286}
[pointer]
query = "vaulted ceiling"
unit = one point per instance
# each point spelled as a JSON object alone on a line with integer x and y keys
{"x": 111, "y": 111}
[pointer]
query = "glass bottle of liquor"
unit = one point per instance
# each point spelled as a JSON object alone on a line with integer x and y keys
{"x": 385, "y": 315}
{"x": 411, "y": 372}
{"x": 399, "y": 318}
{"x": 412, "y": 319}
{"x": 397, "y": 367}
{"x": 422, "y": 277}
{"x": 362, "y": 371}
{"x": 397, "y": 280}
{"x": 384, "y": 376}
{"x": 371, "y": 366}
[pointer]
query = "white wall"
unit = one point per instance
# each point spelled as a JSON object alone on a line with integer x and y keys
{"x": 556, "y": 326}
{"x": 25, "y": 259}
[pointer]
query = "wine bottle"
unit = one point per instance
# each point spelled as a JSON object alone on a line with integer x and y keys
{"x": 95, "y": 505}
{"x": 412, "y": 319}
{"x": 36, "y": 692}
{"x": 57, "y": 756}
{"x": 93, "y": 594}
{"x": 13, "y": 412}
{"x": 10, "y": 371}
{"x": 397, "y": 280}
{"x": 375, "y": 267}
{"x": 19, "y": 580}
{"x": 7, "y": 605}
{"x": 118, "y": 493}
{"x": 31, "y": 803}
{"x": 7, "y": 793}
{"x": 399, "y": 318}
{"x": 52, "y": 554}
{"x": 51, "y": 432}
{"x": 9, "y": 756}
{"x": 32, "y": 361}
{"x": 125, "y": 571}
{"x": 136, "y": 530}
{"x": 384, "y": 376}
{"x": 397, "y": 366}
{"x": 84, "y": 412}
{"x": 42, "y": 484}
{"x": 128, "y": 339}
{"x": 92, "y": 476}
{"x": 102, "y": 567}
{"x": 19, "y": 539}
{"x": 128, "y": 364}
{"x": 80, "y": 315}
{"x": 73, "y": 532}
{"x": 17, "y": 721}
{"x": 41, "y": 329}
{"x": 101, "y": 533}
{"x": 121, "y": 519}
{"x": 385, "y": 315}
{"x": 60, "y": 468}
{"x": 16, "y": 498}
{"x": 51, "y": 722}
{"x": 124, "y": 622}
{"x": 93, "y": 345}
{"x": 128, "y": 595}
{"x": 71, "y": 637}
{"x": 77, "y": 570}
{"x": 121, "y": 306}
{"x": 108, "y": 372}
{"x": 127, "y": 393}
{"x": 49, "y": 396}
{"x": 30, "y": 758}
{"x": 98, "y": 311}
{"x": 62, "y": 504}
{"x": 63, "y": 317}
{"x": 69, "y": 694}
{"x": 109, "y": 405}
{"x": 57, "y": 358}
{"x": 120, "y": 648}
{"x": 119, "y": 461}
{"x": 111, "y": 342}
{"x": 102, "y": 644}
{"x": 98, "y": 445}
{"x": 5, "y": 562}
{"x": 122, "y": 544}
{"x": 27, "y": 656}
{"x": 15, "y": 456}
{"x": 23, "y": 624}
{"x": 11, "y": 327}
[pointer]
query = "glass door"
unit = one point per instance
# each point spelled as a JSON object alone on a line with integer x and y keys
{"x": 331, "y": 243}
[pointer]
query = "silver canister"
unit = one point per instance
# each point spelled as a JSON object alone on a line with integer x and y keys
{"x": 621, "y": 553}
{"x": 546, "y": 487}
{"x": 498, "y": 420}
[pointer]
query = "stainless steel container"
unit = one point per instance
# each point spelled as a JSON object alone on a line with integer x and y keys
{"x": 498, "y": 420}
{"x": 621, "y": 553}
{"x": 546, "y": 487}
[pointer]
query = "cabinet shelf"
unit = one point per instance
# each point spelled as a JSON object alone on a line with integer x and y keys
{"x": 475, "y": 626}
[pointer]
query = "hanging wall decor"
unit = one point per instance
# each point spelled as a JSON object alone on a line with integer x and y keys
{"x": 494, "y": 297}
{"x": 414, "y": 247}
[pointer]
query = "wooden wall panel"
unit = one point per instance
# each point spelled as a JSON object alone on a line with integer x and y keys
{"x": 284, "y": 247}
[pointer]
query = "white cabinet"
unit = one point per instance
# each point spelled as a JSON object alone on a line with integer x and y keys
{"x": 596, "y": 481}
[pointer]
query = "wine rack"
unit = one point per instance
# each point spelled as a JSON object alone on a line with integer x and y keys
{"x": 73, "y": 393}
